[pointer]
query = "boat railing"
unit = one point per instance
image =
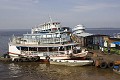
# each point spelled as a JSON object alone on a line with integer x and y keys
{"x": 19, "y": 40}
{"x": 16, "y": 39}
{"x": 116, "y": 35}
{"x": 37, "y": 53}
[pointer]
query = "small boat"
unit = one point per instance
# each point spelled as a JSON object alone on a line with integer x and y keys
{"x": 71, "y": 62}
{"x": 78, "y": 29}
{"x": 116, "y": 69}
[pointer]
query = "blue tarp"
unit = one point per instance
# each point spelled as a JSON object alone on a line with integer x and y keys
{"x": 116, "y": 67}
{"x": 117, "y": 43}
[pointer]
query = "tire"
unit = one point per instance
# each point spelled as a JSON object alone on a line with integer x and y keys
{"x": 103, "y": 65}
{"x": 111, "y": 64}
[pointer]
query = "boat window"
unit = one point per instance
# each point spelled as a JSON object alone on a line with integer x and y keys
{"x": 79, "y": 51}
{"x": 42, "y": 49}
{"x": 33, "y": 36}
{"x": 24, "y": 48}
{"x": 32, "y": 49}
{"x": 58, "y": 35}
{"x": 68, "y": 47}
{"x": 45, "y": 24}
{"x": 53, "y": 49}
{"x": 61, "y": 48}
{"x": 49, "y": 36}
{"x": 18, "y": 48}
{"x": 53, "y": 24}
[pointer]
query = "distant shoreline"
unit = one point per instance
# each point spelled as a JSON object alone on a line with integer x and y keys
{"x": 102, "y": 28}
{"x": 85, "y": 28}
{"x": 15, "y": 29}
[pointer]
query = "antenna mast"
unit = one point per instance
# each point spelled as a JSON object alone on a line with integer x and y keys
{"x": 50, "y": 18}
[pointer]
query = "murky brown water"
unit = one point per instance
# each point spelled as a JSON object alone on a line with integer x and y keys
{"x": 37, "y": 71}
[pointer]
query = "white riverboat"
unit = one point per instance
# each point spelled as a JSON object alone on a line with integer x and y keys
{"x": 116, "y": 35}
{"x": 45, "y": 40}
{"x": 78, "y": 29}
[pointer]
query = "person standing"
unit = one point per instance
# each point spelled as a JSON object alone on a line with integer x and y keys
{"x": 102, "y": 49}
{"x": 108, "y": 50}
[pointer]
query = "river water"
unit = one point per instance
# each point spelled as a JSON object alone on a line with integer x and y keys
{"x": 39, "y": 71}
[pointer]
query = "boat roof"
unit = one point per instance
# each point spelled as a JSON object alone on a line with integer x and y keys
{"x": 43, "y": 33}
{"x": 46, "y": 23}
{"x": 84, "y": 34}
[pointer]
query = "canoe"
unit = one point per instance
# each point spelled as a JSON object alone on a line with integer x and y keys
{"x": 72, "y": 62}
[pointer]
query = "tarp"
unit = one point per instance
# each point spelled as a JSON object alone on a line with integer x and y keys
{"x": 117, "y": 43}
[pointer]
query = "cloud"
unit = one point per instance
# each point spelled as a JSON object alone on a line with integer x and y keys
{"x": 15, "y": 13}
{"x": 91, "y": 7}
{"x": 36, "y": 1}
{"x": 17, "y": 4}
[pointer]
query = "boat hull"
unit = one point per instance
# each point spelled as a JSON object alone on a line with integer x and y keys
{"x": 116, "y": 71}
{"x": 72, "y": 62}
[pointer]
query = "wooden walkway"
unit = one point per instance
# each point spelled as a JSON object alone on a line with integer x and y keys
{"x": 105, "y": 56}
{"x": 104, "y": 60}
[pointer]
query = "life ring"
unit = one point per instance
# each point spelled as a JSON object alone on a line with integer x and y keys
{"x": 37, "y": 58}
{"x": 20, "y": 60}
{"x": 16, "y": 60}
{"x": 33, "y": 59}
{"x": 29, "y": 59}
{"x": 111, "y": 64}
{"x": 103, "y": 65}
{"x": 47, "y": 58}
{"x": 26, "y": 59}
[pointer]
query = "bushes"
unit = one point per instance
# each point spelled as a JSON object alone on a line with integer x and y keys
{"x": 112, "y": 51}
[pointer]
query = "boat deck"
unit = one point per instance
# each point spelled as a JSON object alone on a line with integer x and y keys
{"x": 44, "y": 45}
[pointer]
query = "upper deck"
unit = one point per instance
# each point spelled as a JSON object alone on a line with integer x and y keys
{"x": 78, "y": 29}
{"x": 50, "y": 27}
{"x": 47, "y": 33}
{"x": 44, "y": 45}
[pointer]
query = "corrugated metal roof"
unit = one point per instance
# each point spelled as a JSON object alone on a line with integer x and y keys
{"x": 84, "y": 34}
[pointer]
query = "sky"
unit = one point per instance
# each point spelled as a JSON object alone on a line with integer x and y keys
{"x": 25, "y": 14}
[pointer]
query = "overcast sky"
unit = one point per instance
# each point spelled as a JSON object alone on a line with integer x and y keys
{"x": 24, "y": 14}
